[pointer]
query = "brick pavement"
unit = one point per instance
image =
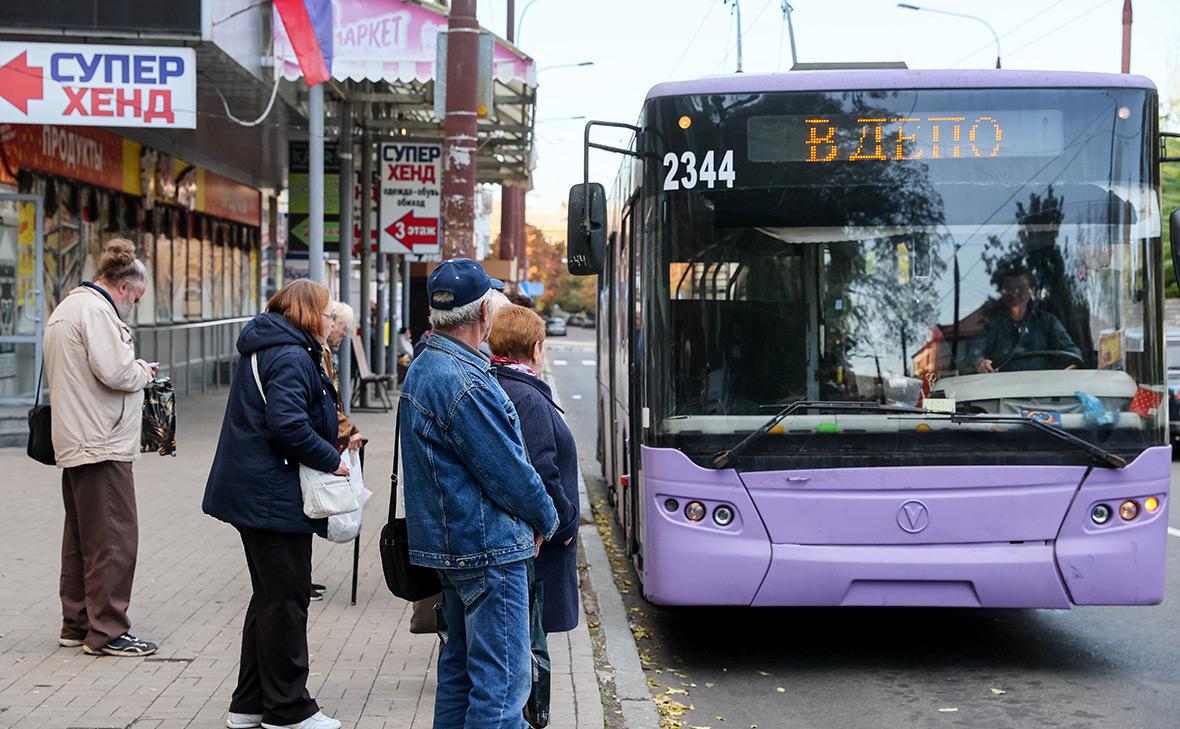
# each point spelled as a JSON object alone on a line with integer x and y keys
{"x": 190, "y": 594}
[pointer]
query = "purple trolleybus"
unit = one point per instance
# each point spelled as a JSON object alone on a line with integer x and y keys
{"x": 885, "y": 337}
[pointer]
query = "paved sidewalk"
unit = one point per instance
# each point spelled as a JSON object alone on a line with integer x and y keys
{"x": 191, "y": 590}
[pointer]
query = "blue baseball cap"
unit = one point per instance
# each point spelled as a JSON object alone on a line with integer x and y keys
{"x": 460, "y": 281}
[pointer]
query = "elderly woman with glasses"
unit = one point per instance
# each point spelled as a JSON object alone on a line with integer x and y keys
{"x": 341, "y": 322}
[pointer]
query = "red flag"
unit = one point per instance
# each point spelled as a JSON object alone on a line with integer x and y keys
{"x": 309, "y": 26}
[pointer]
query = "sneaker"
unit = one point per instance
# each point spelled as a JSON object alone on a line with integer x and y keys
{"x": 69, "y": 642}
{"x": 316, "y": 596}
{"x": 318, "y": 587}
{"x": 243, "y": 721}
{"x": 316, "y": 721}
{"x": 125, "y": 645}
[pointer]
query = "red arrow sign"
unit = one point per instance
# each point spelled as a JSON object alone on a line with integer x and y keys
{"x": 412, "y": 231}
{"x": 19, "y": 82}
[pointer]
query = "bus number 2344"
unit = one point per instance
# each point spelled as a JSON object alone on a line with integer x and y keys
{"x": 693, "y": 173}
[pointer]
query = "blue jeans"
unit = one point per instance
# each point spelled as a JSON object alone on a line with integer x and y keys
{"x": 484, "y": 669}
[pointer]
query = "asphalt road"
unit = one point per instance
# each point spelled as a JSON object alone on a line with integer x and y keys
{"x": 884, "y": 668}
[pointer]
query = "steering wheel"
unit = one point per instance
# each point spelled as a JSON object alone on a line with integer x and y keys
{"x": 1058, "y": 353}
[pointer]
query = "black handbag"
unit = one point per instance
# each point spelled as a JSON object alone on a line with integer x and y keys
{"x": 40, "y": 447}
{"x": 407, "y": 581}
{"x": 536, "y": 710}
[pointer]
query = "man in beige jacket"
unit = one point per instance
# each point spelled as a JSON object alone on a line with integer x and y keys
{"x": 96, "y": 388}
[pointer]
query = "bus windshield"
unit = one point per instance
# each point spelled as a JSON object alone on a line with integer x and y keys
{"x": 977, "y": 251}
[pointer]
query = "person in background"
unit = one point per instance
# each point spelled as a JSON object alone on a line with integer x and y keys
{"x": 343, "y": 324}
{"x": 348, "y": 436}
{"x": 96, "y": 385}
{"x": 517, "y": 341}
{"x": 476, "y": 510}
{"x": 254, "y": 486}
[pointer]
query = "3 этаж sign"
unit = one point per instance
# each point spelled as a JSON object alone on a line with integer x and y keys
{"x": 93, "y": 85}
{"x": 411, "y": 198}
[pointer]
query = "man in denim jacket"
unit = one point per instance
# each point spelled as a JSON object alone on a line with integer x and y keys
{"x": 476, "y": 509}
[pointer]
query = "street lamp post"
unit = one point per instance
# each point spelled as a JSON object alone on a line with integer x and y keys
{"x": 996, "y": 38}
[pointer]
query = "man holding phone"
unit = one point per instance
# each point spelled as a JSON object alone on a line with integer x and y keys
{"x": 96, "y": 385}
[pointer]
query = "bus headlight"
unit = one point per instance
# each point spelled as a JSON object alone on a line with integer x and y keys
{"x": 695, "y": 511}
{"x": 1100, "y": 514}
{"x": 1150, "y": 504}
{"x": 1128, "y": 510}
{"x": 723, "y": 515}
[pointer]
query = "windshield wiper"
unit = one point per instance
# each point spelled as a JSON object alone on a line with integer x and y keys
{"x": 1111, "y": 459}
{"x": 724, "y": 458}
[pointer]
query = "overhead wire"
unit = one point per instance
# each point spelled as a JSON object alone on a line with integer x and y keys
{"x": 1010, "y": 31}
{"x": 688, "y": 46}
{"x": 729, "y": 35}
{"x": 1069, "y": 22}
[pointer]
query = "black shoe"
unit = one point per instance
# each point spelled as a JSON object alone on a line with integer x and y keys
{"x": 316, "y": 596}
{"x": 318, "y": 587}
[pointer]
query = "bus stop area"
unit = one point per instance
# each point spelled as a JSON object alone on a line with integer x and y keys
{"x": 191, "y": 591}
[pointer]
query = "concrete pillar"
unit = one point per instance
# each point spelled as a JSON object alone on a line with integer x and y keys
{"x": 507, "y": 223}
{"x": 460, "y": 133}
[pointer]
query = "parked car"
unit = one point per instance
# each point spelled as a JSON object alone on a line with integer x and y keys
{"x": 577, "y": 320}
{"x": 555, "y": 327}
{"x": 588, "y": 321}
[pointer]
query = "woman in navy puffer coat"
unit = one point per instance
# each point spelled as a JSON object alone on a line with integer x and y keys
{"x": 254, "y": 485}
{"x": 517, "y": 344}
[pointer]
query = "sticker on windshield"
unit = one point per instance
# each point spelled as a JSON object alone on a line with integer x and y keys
{"x": 1049, "y": 417}
{"x": 685, "y": 170}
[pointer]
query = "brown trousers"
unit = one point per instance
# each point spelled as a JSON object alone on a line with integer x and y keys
{"x": 98, "y": 551}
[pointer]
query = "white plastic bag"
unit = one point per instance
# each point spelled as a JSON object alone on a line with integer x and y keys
{"x": 345, "y": 527}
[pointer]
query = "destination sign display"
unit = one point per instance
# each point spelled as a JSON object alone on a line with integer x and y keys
{"x": 928, "y": 136}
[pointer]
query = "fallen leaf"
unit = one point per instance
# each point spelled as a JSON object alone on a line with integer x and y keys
{"x": 948, "y": 710}
{"x": 763, "y": 673}
{"x": 999, "y": 692}
{"x": 781, "y": 690}
{"x": 709, "y": 684}
{"x": 674, "y": 690}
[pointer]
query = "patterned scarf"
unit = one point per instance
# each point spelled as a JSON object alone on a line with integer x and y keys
{"x": 512, "y": 364}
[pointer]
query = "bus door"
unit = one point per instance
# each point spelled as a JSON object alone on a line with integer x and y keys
{"x": 604, "y": 369}
{"x": 620, "y": 364}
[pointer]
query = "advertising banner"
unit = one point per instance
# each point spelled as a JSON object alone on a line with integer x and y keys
{"x": 411, "y": 198}
{"x": 380, "y": 40}
{"x": 98, "y": 85}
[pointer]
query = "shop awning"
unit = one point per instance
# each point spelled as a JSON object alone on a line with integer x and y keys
{"x": 383, "y": 60}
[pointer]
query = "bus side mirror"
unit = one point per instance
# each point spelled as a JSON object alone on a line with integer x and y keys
{"x": 1174, "y": 227}
{"x": 585, "y": 246}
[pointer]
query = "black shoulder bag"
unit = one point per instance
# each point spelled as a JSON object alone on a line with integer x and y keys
{"x": 40, "y": 446}
{"x": 407, "y": 581}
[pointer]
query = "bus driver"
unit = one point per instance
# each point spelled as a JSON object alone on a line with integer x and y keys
{"x": 1026, "y": 328}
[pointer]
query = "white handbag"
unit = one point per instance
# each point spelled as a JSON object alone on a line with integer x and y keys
{"x": 324, "y": 494}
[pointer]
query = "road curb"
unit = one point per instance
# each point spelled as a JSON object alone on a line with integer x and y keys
{"x": 639, "y": 710}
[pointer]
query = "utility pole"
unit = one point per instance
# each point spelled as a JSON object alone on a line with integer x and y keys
{"x": 787, "y": 9}
{"x": 737, "y": 8}
{"x": 315, "y": 182}
{"x": 344, "y": 147}
{"x": 460, "y": 132}
{"x": 1126, "y": 36}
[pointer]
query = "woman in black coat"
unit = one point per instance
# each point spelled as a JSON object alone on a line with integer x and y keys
{"x": 254, "y": 485}
{"x": 517, "y": 343}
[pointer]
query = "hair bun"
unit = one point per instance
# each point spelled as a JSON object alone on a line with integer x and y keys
{"x": 118, "y": 261}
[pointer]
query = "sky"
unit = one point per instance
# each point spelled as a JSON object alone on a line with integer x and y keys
{"x": 636, "y": 44}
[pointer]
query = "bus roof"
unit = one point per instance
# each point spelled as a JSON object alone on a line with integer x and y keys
{"x": 896, "y": 78}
